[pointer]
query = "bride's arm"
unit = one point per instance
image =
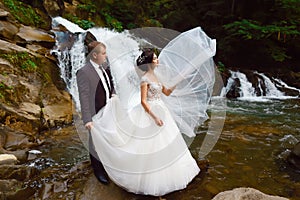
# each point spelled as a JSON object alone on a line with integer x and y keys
{"x": 168, "y": 91}
{"x": 144, "y": 88}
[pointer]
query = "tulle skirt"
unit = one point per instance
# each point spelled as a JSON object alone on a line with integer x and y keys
{"x": 138, "y": 155}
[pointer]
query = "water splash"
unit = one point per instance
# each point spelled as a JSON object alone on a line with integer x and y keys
{"x": 266, "y": 89}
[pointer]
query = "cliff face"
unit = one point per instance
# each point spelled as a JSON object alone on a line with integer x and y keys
{"x": 32, "y": 95}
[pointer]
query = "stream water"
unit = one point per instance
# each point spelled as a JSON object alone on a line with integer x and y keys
{"x": 251, "y": 152}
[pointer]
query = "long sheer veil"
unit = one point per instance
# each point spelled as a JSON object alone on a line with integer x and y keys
{"x": 186, "y": 61}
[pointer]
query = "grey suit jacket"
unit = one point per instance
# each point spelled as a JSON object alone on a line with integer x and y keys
{"x": 91, "y": 91}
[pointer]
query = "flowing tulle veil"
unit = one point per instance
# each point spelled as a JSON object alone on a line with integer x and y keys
{"x": 186, "y": 61}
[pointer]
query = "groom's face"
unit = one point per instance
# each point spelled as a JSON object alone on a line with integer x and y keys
{"x": 99, "y": 56}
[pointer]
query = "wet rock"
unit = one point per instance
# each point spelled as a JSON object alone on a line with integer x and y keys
{"x": 89, "y": 38}
{"x": 93, "y": 189}
{"x": 14, "y": 190}
{"x": 41, "y": 50}
{"x": 8, "y": 30}
{"x": 17, "y": 172}
{"x": 30, "y": 109}
{"x": 7, "y": 185}
{"x": 60, "y": 111}
{"x": 3, "y": 137}
{"x": 294, "y": 156}
{"x": 8, "y": 159}
{"x": 46, "y": 190}
{"x": 54, "y": 7}
{"x": 29, "y": 34}
{"x": 3, "y": 13}
{"x": 7, "y": 47}
{"x": 20, "y": 193}
{"x": 18, "y": 140}
{"x": 20, "y": 154}
{"x": 234, "y": 91}
{"x": 296, "y": 150}
{"x": 245, "y": 194}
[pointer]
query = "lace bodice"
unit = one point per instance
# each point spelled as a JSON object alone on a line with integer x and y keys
{"x": 154, "y": 90}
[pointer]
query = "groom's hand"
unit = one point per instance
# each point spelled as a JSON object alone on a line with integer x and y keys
{"x": 88, "y": 125}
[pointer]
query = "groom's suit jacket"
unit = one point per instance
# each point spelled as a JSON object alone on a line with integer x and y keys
{"x": 92, "y": 94}
{"x": 92, "y": 98}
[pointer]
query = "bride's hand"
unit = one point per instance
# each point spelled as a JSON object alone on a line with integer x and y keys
{"x": 159, "y": 122}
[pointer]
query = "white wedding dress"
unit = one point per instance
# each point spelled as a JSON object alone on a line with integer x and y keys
{"x": 138, "y": 155}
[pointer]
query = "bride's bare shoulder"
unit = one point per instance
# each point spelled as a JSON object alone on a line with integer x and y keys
{"x": 144, "y": 78}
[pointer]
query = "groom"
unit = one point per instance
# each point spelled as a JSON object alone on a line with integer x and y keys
{"x": 95, "y": 87}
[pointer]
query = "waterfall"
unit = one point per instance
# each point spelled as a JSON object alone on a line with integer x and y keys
{"x": 271, "y": 89}
{"x": 247, "y": 90}
{"x": 261, "y": 87}
{"x": 70, "y": 50}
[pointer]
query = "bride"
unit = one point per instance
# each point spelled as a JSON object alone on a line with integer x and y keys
{"x": 142, "y": 148}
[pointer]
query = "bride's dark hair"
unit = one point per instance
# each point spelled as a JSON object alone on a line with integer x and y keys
{"x": 145, "y": 58}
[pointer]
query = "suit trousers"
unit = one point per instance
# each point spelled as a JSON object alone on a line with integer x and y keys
{"x": 95, "y": 161}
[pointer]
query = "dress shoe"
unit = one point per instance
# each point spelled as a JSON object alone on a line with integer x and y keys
{"x": 102, "y": 178}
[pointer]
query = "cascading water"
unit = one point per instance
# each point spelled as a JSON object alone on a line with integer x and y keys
{"x": 264, "y": 89}
{"x": 271, "y": 89}
{"x": 70, "y": 60}
{"x": 73, "y": 58}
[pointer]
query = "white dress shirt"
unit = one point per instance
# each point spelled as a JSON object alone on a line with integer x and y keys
{"x": 101, "y": 74}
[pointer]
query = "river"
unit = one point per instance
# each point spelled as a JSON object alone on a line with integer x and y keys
{"x": 251, "y": 152}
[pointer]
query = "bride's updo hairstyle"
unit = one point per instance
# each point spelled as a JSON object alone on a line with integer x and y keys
{"x": 145, "y": 58}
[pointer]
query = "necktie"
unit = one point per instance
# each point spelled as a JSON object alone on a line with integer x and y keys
{"x": 105, "y": 77}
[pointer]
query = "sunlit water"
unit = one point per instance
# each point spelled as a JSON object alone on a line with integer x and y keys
{"x": 251, "y": 152}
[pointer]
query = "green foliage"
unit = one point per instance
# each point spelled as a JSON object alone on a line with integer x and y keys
{"x": 24, "y": 13}
{"x": 4, "y": 89}
{"x": 279, "y": 54}
{"x": 47, "y": 77}
{"x": 28, "y": 65}
{"x": 23, "y": 60}
{"x": 112, "y": 22}
{"x": 83, "y": 23}
{"x": 3, "y": 86}
{"x": 253, "y": 30}
{"x": 92, "y": 9}
{"x": 120, "y": 14}
{"x": 221, "y": 66}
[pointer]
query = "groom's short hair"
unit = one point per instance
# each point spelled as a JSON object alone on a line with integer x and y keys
{"x": 95, "y": 47}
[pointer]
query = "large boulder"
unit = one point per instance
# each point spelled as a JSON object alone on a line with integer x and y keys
{"x": 245, "y": 194}
{"x": 8, "y": 159}
{"x": 29, "y": 34}
{"x": 294, "y": 156}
